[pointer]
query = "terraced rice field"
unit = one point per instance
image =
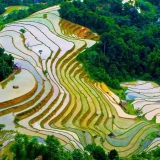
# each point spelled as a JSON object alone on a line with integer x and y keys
{"x": 146, "y": 96}
{"x": 64, "y": 102}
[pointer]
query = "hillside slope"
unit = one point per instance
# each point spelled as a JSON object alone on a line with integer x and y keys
{"x": 66, "y": 103}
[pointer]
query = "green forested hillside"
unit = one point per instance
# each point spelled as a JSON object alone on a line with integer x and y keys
{"x": 129, "y": 46}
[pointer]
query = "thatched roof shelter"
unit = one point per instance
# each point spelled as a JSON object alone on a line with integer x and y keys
{"x": 112, "y": 135}
{"x": 16, "y": 66}
{"x": 123, "y": 104}
{"x": 15, "y": 86}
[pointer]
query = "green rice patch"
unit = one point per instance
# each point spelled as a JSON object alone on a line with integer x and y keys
{"x": 13, "y": 8}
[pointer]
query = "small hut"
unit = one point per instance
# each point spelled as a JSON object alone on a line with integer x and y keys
{"x": 16, "y": 66}
{"x": 123, "y": 104}
{"x": 15, "y": 86}
{"x": 112, "y": 135}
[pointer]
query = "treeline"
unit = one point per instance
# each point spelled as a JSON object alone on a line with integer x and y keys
{"x": 129, "y": 46}
{"x": 2, "y": 8}
{"x": 6, "y": 64}
{"x": 25, "y": 148}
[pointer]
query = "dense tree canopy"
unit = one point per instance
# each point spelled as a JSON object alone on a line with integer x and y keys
{"x": 129, "y": 46}
{"x": 97, "y": 152}
{"x": 25, "y": 148}
{"x": 6, "y": 64}
{"x": 2, "y": 8}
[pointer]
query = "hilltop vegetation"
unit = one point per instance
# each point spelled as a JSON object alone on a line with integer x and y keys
{"x": 2, "y": 9}
{"x": 129, "y": 46}
{"x": 6, "y": 64}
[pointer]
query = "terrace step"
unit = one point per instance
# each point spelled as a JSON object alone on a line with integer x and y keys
{"x": 39, "y": 104}
{"x": 23, "y": 92}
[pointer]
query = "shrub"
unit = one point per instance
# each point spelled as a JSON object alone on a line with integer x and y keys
{"x": 44, "y": 15}
{"x": 22, "y": 30}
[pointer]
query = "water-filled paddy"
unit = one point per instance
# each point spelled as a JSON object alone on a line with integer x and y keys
{"x": 145, "y": 96}
{"x": 25, "y": 82}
